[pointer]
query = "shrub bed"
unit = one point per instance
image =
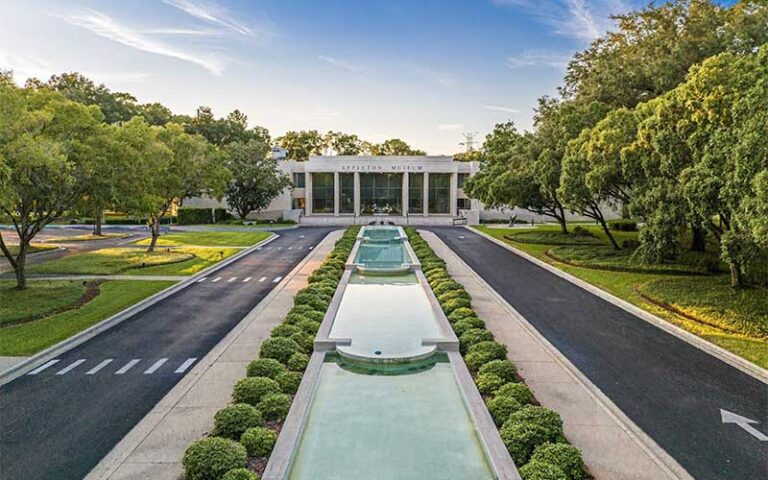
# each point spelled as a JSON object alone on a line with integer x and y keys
{"x": 532, "y": 434}
{"x": 245, "y": 432}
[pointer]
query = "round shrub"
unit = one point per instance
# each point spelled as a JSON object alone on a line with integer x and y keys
{"x": 275, "y": 406}
{"x": 314, "y": 300}
{"x": 504, "y": 369}
{"x": 461, "y": 313}
{"x": 473, "y": 336}
{"x": 232, "y": 420}
{"x": 300, "y": 309}
{"x": 295, "y": 317}
{"x": 240, "y": 474}
{"x": 285, "y": 330}
{"x": 210, "y": 458}
{"x": 315, "y": 315}
{"x": 541, "y": 471}
{"x": 564, "y": 456}
{"x": 481, "y": 353}
{"x": 298, "y": 362}
{"x": 450, "y": 295}
{"x": 437, "y": 274}
{"x": 501, "y": 408}
{"x": 323, "y": 288}
{"x": 309, "y": 327}
{"x": 487, "y": 383}
{"x": 445, "y": 286}
{"x": 289, "y": 382}
{"x": 543, "y": 417}
{"x": 304, "y": 340}
{"x": 518, "y": 391}
{"x": 250, "y": 390}
{"x": 522, "y": 438}
{"x": 265, "y": 367}
{"x": 453, "y": 304}
{"x": 279, "y": 348}
{"x": 259, "y": 441}
{"x": 466, "y": 324}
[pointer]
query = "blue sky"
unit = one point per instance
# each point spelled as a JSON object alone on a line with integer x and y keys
{"x": 421, "y": 70}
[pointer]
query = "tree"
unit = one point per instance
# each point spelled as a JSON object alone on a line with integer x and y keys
{"x": 256, "y": 178}
{"x": 155, "y": 113}
{"x": 44, "y": 146}
{"x": 342, "y": 143}
{"x": 220, "y": 132}
{"x": 395, "y": 147}
{"x": 301, "y": 144}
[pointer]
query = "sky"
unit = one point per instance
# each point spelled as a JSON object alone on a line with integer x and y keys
{"x": 426, "y": 71}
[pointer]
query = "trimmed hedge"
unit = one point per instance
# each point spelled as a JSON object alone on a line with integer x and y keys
{"x": 202, "y": 216}
{"x": 526, "y": 429}
{"x": 271, "y": 381}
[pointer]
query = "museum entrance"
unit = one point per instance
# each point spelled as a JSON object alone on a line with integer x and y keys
{"x": 381, "y": 193}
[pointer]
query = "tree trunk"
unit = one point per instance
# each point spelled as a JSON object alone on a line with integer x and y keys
{"x": 698, "y": 242}
{"x": 155, "y": 229}
{"x": 561, "y": 219}
{"x": 19, "y": 266}
{"x": 608, "y": 233}
{"x": 97, "y": 219}
{"x": 736, "y": 279}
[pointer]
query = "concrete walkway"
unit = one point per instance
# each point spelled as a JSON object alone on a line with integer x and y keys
{"x": 609, "y": 448}
{"x": 155, "y": 446}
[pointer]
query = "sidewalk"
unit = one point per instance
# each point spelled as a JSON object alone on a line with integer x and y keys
{"x": 155, "y": 446}
{"x": 610, "y": 449}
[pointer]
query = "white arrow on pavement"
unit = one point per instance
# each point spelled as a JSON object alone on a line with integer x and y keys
{"x": 744, "y": 423}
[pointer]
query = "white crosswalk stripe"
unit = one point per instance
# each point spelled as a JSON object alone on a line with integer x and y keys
{"x": 184, "y": 366}
{"x": 202, "y": 280}
{"x": 70, "y": 367}
{"x": 128, "y": 366}
{"x": 290, "y": 248}
{"x": 231, "y": 279}
{"x": 215, "y": 279}
{"x": 262, "y": 279}
{"x": 248, "y": 279}
{"x": 155, "y": 366}
{"x": 99, "y": 366}
{"x": 277, "y": 279}
{"x": 43, "y": 367}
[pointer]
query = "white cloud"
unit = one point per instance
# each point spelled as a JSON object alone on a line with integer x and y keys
{"x": 193, "y": 32}
{"x": 339, "y": 63}
{"x": 536, "y": 59}
{"x": 578, "y": 19}
{"x": 211, "y": 13}
{"x": 499, "y": 108}
{"x": 105, "y": 26}
{"x": 448, "y": 127}
{"x": 25, "y": 67}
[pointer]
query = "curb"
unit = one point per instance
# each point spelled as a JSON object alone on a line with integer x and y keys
{"x": 665, "y": 461}
{"x": 112, "y": 461}
{"x": 39, "y": 358}
{"x": 718, "y": 352}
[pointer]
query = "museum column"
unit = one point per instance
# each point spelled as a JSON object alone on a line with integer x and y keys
{"x": 308, "y": 192}
{"x": 336, "y": 194}
{"x": 454, "y": 194}
{"x": 425, "y": 195}
{"x": 357, "y": 193}
{"x": 404, "y": 197}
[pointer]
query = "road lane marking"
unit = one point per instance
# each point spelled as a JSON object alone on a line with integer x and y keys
{"x": 202, "y": 280}
{"x": 70, "y": 367}
{"x": 99, "y": 366}
{"x": 279, "y": 248}
{"x": 231, "y": 279}
{"x": 184, "y": 366}
{"x": 155, "y": 366}
{"x": 277, "y": 279}
{"x": 215, "y": 279}
{"x": 290, "y": 248}
{"x": 128, "y": 366}
{"x": 248, "y": 279}
{"x": 262, "y": 279}
{"x": 310, "y": 247}
{"x": 744, "y": 423}
{"x": 43, "y": 367}
{"x": 258, "y": 249}
{"x": 301, "y": 236}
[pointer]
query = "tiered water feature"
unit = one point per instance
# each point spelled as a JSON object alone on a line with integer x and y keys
{"x": 386, "y": 394}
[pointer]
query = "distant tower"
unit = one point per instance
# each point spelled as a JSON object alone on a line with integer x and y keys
{"x": 469, "y": 141}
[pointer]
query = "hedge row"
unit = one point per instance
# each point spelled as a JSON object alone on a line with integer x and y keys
{"x": 202, "y": 216}
{"x": 532, "y": 434}
{"x": 245, "y": 431}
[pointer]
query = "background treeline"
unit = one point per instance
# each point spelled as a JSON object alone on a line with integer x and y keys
{"x": 665, "y": 118}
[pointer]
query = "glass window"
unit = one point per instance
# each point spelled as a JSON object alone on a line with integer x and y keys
{"x": 415, "y": 193}
{"x": 439, "y": 193}
{"x": 381, "y": 193}
{"x": 464, "y": 204}
{"x": 461, "y": 178}
{"x": 346, "y": 193}
{"x": 322, "y": 192}
{"x": 298, "y": 204}
{"x": 298, "y": 180}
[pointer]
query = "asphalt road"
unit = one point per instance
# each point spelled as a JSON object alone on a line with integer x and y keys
{"x": 672, "y": 390}
{"x": 57, "y": 424}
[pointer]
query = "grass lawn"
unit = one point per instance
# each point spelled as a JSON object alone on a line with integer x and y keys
{"x": 33, "y": 248}
{"x": 709, "y": 293}
{"x": 546, "y": 236}
{"x": 31, "y": 337}
{"x": 40, "y": 298}
{"x": 86, "y": 237}
{"x": 209, "y": 239}
{"x": 607, "y": 258}
{"x": 202, "y": 259}
{"x": 109, "y": 261}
